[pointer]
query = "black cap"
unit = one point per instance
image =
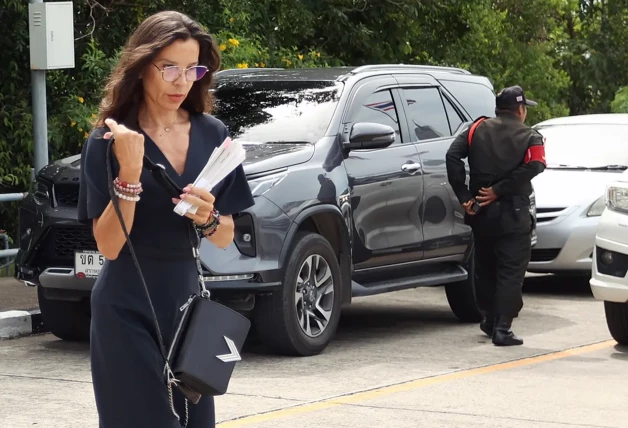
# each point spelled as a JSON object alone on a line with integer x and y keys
{"x": 512, "y": 96}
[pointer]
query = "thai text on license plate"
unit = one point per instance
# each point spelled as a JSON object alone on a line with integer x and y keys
{"x": 87, "y": 264}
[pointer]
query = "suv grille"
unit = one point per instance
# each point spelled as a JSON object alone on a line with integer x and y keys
{"x": 67, "y": 194}
{"x": 69, "y": 239}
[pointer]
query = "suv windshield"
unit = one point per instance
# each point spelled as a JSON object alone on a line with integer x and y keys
{"x": 588, "y": 146}
{"x": 276, "y": 111}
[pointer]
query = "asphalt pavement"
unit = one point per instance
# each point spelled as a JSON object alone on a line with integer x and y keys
{"x": 399, "y": 360}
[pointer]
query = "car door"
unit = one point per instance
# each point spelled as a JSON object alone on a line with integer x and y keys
{"x": 433, "y": 121}
{"x": 386, "y": 184}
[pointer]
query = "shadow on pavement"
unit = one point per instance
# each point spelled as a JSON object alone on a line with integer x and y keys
{"x": 621, "y": 352}
{"x": 558, "y": 287}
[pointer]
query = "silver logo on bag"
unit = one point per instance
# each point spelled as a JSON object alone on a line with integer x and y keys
{"x": 234, "y": 355}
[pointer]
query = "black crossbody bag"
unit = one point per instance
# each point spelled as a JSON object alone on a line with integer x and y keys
{"x": 209, "y": 337}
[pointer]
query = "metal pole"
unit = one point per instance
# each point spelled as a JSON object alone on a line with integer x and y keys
{"x": 12, "y": 197}
{"x": 40, "y": 115}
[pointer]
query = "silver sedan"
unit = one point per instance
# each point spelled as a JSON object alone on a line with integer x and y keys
{"x": 584, "y": 154}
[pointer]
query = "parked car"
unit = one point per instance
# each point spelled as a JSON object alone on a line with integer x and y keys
{"x": 583, "y": 154}
{"x": 347, "y": 166}
{"x": 609, "y": 280}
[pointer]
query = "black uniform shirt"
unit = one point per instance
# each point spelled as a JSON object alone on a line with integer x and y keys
{"x": 504, "y": 153}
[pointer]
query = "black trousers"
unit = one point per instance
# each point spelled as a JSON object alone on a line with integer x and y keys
{"x": 502, "y": 235}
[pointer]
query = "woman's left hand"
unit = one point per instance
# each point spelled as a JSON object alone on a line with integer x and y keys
{"x": 201, "y": 198}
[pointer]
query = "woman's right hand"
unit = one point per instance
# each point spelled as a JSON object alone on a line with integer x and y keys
{"x": 128, "y": 146}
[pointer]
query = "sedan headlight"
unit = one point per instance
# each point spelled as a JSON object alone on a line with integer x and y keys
{"x": 263, "y": 184}
{"x": 617, "y": 198}
{"x": 597, "y": 208}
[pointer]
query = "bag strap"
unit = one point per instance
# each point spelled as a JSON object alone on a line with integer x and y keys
{"x": 158, "y": 171}
{"x": 473, "y": 128}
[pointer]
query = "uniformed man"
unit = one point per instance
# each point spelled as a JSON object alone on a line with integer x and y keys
{"x": 504, "y": 155}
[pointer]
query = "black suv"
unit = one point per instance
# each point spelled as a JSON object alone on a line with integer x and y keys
{"x": 347, "y": 166}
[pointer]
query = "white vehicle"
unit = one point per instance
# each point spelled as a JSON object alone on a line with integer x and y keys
{"x": 609, "y": 281}
{"x": 584, "y": 153}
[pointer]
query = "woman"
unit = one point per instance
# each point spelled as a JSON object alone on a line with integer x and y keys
{"x": 154, "y": 105}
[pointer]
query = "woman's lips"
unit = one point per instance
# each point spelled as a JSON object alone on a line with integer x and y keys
{"x": 176, "y": 97}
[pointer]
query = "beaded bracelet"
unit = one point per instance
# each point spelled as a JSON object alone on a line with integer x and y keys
{"x": 127, "y": 197}
{"x": 128, "y": 188}
{"x": 209, "y": 228}
{"x": 133, "y": 191}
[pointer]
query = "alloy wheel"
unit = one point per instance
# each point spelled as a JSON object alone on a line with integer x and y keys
{"x": 314, "y": 295}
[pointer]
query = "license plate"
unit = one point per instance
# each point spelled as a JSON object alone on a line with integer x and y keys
{"x": 87, "y": 264}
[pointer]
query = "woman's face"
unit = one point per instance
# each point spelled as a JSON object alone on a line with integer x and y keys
{"x": 169, "y": 95}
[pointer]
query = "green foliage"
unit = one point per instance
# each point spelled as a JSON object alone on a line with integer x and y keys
{"x": 620, "y": 103}
{"x": 568, "y": 55}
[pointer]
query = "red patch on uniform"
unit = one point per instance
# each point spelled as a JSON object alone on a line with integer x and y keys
{"x": 535, "y": 153}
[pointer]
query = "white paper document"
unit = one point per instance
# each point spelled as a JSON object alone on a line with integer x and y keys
{"x": 221, "y": 163}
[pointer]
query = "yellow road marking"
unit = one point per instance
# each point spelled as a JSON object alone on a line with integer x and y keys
{"x": 409, "y": 386}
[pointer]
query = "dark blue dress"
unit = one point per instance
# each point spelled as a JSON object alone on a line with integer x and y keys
{"x": 125, "y": 359}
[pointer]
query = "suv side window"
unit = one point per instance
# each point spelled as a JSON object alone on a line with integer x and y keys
{"x": 426, "y": 113}
{"x": 454, "y": 118}
{"x": 379, "y": 107}
{"x": 478, "y": 100}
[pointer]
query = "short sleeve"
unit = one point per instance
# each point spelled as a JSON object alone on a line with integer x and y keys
{"x": 93, "y": 190}
{"x": 235, "y": 193}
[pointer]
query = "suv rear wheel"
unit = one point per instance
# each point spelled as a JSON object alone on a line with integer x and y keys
{"x": 461, "y": 295}
{"x": 302, "y": 318}
{"x": 617, "y": 321}
{"x": 68, "y": 320}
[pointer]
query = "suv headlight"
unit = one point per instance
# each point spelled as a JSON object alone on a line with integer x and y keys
{"x": 263, "y": 184}
{"x": 597, "y": 208}
{"x": 617, "y": 198}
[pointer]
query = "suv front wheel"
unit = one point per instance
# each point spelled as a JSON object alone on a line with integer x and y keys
{"x": 302, "y": 318}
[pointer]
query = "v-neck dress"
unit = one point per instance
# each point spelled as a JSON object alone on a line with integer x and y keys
{"x": 125, "y": 359}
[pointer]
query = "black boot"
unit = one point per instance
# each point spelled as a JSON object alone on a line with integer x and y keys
{"x": 488, "y": 324}
{"x": 503, "y": 335}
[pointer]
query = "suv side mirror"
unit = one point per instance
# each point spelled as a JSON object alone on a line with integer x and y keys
{"x": 369, "y": 135}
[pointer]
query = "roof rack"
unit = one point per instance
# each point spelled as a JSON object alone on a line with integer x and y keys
{"x": 384, "y": 67}
{"x": 245, "y": 70}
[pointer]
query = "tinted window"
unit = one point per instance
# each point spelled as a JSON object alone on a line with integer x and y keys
{"x": 265, "y": 112}
{"x": 426, "y": 114}
{"x": 454, "y": 118}
{"x": 380, "y": 108}
{"x": 478, "y": 100}
{"x": 572, "y": 145}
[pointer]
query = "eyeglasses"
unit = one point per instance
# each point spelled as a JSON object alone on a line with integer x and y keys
{"x": 172, "y": 72}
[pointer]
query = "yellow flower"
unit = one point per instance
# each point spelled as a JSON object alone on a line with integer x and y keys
{"x": 81, "y": 100}
{"x": 288, "y": 62}
{"x": 223, "y": 46}
{"x": 86, "y": 135}
{"x": 300, "y": 56}
{"x": 234, "y": 42}
{"x": 73, "y": 124}
{"x": 231, "y": 19}
{"x": 262, "y": 65}
{"x": 318, "y": 54}
{"x": 80, "y": 129}
{"x": 242, "y": 65}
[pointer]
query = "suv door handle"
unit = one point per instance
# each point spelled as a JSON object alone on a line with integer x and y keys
{"x": 411, "y": 167}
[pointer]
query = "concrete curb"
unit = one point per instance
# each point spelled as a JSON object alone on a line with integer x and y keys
{"x": 20, "y": 323}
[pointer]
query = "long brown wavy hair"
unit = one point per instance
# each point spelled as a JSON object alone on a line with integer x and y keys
{"x": 124, "y": 89}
